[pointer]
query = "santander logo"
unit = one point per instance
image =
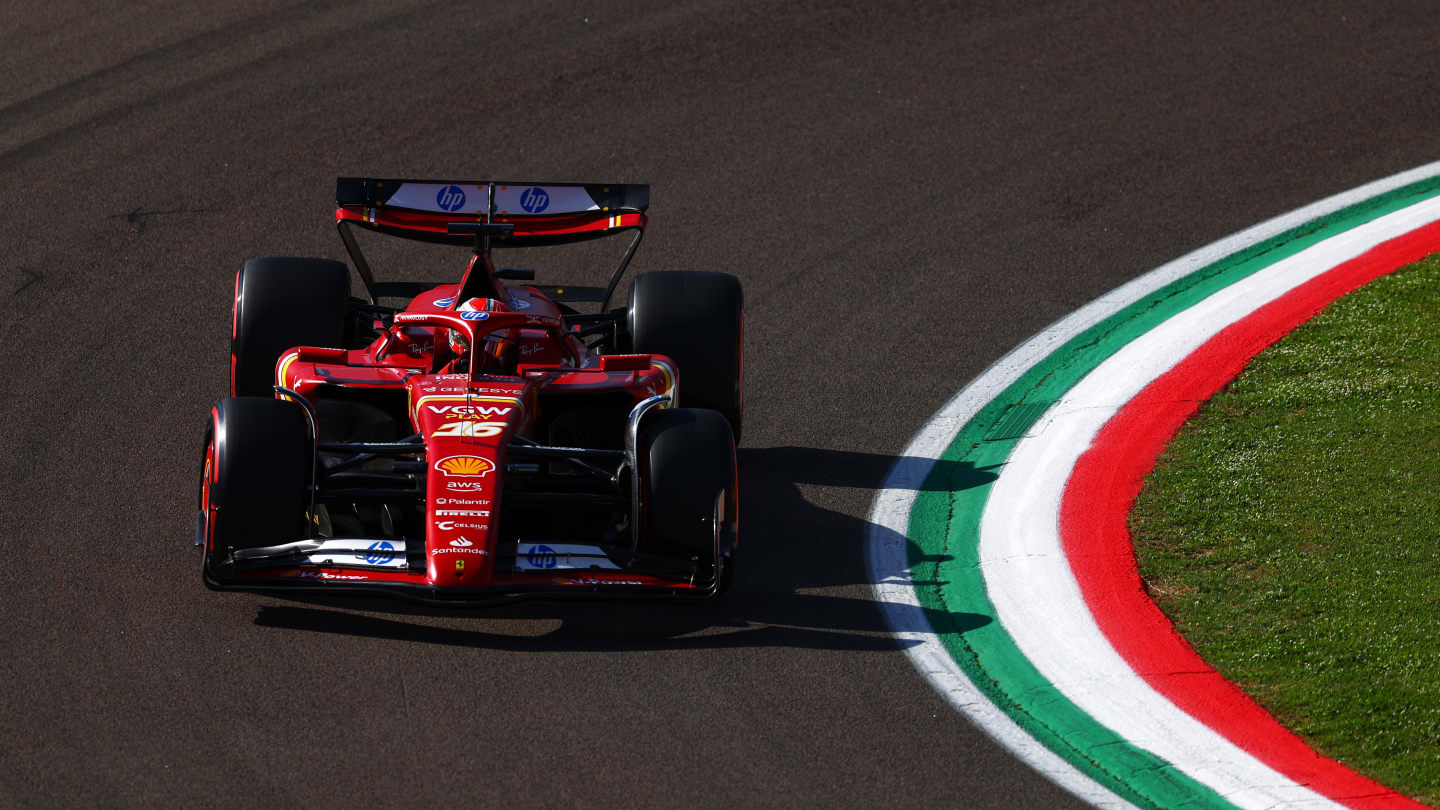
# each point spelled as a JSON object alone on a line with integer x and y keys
{"x": 459, "y": 545}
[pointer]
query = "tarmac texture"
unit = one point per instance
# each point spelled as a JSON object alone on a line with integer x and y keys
{"x": 907, "y": 191}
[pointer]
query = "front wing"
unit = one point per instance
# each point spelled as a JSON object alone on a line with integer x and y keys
{"x": 354, "y": 566}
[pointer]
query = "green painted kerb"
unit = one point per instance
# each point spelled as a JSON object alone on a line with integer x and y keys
{"x": 944, "y": 524}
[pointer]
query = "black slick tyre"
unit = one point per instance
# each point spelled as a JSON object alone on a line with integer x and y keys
{"x": 694, "y": 318}
{"x": 255, "y": 490}
{"x": 281, "y": 303}
{"x": 689, "y": 490}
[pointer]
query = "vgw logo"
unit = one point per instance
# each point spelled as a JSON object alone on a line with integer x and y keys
{"x": 380, "y": 553}
{"x": 534, "y": 200}
{"x": 541, "y": 557}
{"x": 450, "y": 198}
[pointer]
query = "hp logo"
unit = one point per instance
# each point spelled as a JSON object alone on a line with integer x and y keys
{"x": 475, "y": 316}
{"x": 450, "y": 198}
{"x": 541, "y": 557}
{"x": 534, "y": 200}
{"x": 380, "y": 553}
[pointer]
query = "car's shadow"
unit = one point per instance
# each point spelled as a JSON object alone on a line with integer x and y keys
{"x": 789, "y": 547}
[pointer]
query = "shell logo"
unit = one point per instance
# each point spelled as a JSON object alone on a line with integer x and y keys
{"x": 464, "y": 466}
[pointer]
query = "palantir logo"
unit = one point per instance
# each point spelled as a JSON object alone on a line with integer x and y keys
{"x": 541, "y": 557}
{"x": 450, "y": 198}
{"x": 534, "y": 200}
{"x": 381, "y": 552}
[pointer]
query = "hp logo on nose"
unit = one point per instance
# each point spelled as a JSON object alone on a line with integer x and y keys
{"x": 380, "y": 553}
{"x": 450, "y": 198}
{"x": 542, "y": 557}
{"x": 534, "y": 200}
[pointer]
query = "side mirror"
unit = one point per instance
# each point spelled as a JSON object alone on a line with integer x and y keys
{"x": 625, "y": 362}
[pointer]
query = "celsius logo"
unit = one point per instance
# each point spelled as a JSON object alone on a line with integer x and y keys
{"x": 533, "y": 199}
{"x": 380, "y": 553}
{"x": 450, "y": 198}
{"x": 541, "y": 557}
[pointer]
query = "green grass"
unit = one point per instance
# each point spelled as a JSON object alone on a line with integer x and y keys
{"x": 1292, "y": 530}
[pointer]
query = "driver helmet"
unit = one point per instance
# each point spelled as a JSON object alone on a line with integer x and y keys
{"x": 498, "y": 347}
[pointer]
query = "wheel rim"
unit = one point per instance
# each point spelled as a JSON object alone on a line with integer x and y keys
{"x": 206, "y": 480}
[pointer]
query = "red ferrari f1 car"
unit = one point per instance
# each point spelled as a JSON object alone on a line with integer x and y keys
{"x": 484, "y": 441}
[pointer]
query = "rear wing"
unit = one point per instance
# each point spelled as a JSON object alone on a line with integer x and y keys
{"x": 543, "y": 213}
{"x": 540, "y": 213}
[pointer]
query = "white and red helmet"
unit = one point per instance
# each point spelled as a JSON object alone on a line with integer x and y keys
{"x": 499, "y": 346}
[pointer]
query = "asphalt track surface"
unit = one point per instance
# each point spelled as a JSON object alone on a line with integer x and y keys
{"x": 907, "y": 192}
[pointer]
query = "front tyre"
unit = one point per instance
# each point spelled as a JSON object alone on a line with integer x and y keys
{"x": 255, "y": 487}
{"x": 281, "y": 303}
{"x": 695, "y": 319}
{"x": 690, "y": 490}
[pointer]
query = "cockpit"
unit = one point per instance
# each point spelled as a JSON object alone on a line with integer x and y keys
{"x": 497, "y": 350}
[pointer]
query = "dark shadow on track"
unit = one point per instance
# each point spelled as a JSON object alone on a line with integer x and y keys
{"x": 789, "y": 546}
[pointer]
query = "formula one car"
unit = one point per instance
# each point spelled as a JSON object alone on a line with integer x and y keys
{"x": 483, "y": 442}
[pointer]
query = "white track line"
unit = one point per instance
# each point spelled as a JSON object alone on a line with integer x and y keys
{"x": 890, "y": 515}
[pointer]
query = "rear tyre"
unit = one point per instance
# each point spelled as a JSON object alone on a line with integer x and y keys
{"x": 694, "y": 318}
{"x": 255, "y": 491}
{"x": 281, "y": 303}
{"x": 689, "y": 486}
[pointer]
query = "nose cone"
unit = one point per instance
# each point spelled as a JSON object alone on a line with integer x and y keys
{"x": 465, "y": 439}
